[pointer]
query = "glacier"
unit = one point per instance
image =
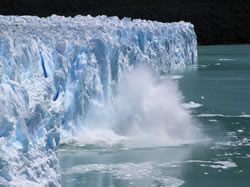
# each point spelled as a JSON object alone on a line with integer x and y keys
{"x": 56, "y": 72}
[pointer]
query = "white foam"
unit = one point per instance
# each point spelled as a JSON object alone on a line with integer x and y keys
{"x": 100, "y": 137}
{"x": 213, "y": 120}
{"x": 245, "y": 116}
{"x": 240, "y": 130}
{"x": 203, "y": 163}
{"x": 241, "y": 142}
{"x": 225, "y": 116}
{"x": 226, "y": 59}
{"x": 221, "y": 165}
{"x": 172, "y": 77}
{"x": 192, "y": 104}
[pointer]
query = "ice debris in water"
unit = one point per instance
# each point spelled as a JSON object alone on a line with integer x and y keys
{"x": 192, "y": 104}
{"x": 55, "y": 72}
{"x": 133, "y": 172}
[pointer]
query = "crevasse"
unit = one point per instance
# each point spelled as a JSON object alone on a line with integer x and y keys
{"x": 56, "y": 72}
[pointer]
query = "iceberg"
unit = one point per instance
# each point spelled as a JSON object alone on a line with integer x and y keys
{"x": 56, "y": 72}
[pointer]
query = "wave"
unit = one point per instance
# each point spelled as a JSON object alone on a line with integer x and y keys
{"x": 224, "y": 116}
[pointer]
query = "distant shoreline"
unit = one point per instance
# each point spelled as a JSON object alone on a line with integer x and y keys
{"x": 215, "y": 21}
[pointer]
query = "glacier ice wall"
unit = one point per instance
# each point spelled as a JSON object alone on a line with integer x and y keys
{"x": 55, "y": 72}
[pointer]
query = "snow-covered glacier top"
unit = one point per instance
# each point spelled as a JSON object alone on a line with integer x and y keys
{"x": 56, "y": 72}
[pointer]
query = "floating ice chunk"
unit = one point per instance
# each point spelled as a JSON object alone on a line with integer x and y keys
{"x": 213, "y": 120}
{"x": 226, "y": 59}
{"x": 192, "y": 104}
{"x": 223, "y": 164}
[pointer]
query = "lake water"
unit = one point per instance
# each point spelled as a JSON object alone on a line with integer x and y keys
{"x": 217, "y": 91}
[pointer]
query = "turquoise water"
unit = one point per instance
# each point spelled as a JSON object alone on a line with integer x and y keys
{"x": 219, "y": 87}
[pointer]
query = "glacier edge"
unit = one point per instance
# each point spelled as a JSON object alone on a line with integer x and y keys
{"x": 54, "y": 70}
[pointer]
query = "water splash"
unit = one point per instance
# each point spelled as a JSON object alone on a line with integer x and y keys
{"x": 146, "y": 111}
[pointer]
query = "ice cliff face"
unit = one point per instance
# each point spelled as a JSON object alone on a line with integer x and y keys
{"x": 55, "y": 72}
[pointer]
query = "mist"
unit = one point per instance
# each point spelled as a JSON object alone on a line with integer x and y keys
{"x": 146, "y": 111}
